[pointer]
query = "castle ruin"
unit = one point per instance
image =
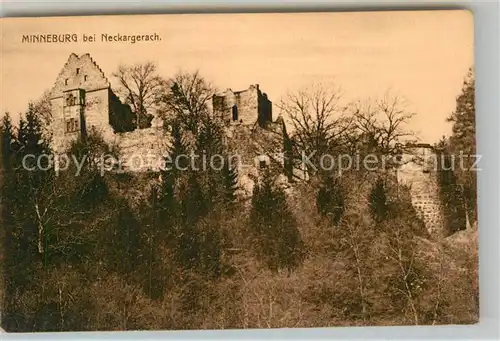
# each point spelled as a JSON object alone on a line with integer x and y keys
{"x": 82, "y": 99}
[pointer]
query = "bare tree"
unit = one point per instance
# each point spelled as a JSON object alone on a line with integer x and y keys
{"x": 382, "y": 124}
{"x": 140, "y": 85}
{"x": 356, "y": 239}
{"x": 402, "y": 251}
{"x": 43, "y": 108}
{"x": 318, "y": 120}
{"x": 186, "y": 99}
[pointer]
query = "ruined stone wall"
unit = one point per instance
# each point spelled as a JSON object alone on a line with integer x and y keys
{"x": 250, "y": 106}
{"x": 142, "y": 149}
{"x": 257, "y": 148}
{"x": 57, "y": 125}
{"x": 418, "y": 173}
{"x": 93, "y": 115}
{"x": 265, "y": 109}
{"x": 247, "y": 102}
{"x": 97, "y": 110}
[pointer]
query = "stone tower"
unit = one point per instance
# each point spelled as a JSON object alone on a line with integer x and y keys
{"x": 418, "y": 172}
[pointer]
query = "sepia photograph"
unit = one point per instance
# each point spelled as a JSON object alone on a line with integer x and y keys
{"x": 238, "y": 171}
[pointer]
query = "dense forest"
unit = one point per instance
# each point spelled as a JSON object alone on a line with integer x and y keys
{"x": 180, "y": 250}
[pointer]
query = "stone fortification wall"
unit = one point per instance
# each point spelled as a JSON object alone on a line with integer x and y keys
{"x": 418, "y": 172}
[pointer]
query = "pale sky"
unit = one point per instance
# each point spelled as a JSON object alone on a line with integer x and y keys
{"x": 422, "y": 56}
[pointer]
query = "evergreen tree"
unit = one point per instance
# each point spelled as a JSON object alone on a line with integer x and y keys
{"x": 450, "y": 194}
{"x": 220, "y": 186}
{"x": 90, "y": 184}
{"x": 212, "y": 160}
{"x": 196, "y": 239}
{"x": 34, "y": 178}
{"x": 155, "y": 234}
{"x": 168, "y": 205}
{"x": 7, "y": 140}
{"x": 330, "y": 199}
{"x": 30, "y": 135}
{"x": 193, "y": 202}
{"x": 186, "y": 198}
{"x": 229, "y": 176}
{"x": 25, "y": 194}
{"x": 209, "y": 139}
{"x": 175, "y": 162}
{"x": 463, "y": 141}
{"x": 274, "y": 227}
{"x": 378, "y": 201}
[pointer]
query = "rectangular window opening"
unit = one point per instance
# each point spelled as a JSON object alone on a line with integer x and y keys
{"x": 72, "y": 125}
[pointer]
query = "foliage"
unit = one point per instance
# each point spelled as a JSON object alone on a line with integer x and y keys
{"x": 318, "y": 120}
{"x": 463, "y": 142}
{"x": 185, "y": 100}
{"x": 140, "y": 85}
{"x": 378, "y": 201}
{"x": 382, "y": 125}
{"x": 77, "y": 254}
{"x": 274, "y": 227}
{"x": 330, "y": 199}
{"x": 450, "y": 193}
{"x": 7, "y": 136}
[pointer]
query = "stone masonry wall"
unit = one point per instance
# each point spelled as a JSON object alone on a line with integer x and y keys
{"x": 80, "y": 73}
{"x": 142, "y": 149}
{"x": 88, "y": 76}
{"x": 57, "y": 126}
{"x": 97, "y": 111}
{"x": 418, "y": 173}
{"x": 251, "y": 105}
{"x": 265, "y": 109}
{"x": 248, "y": 105}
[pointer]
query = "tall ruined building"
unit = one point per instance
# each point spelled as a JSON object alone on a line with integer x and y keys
{"x": 82, "y": 99}
{"x": 246, "y": 107}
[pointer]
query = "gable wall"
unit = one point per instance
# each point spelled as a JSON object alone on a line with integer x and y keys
{"x": 96, "y": 110}
{"x": 95, "y": 77}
